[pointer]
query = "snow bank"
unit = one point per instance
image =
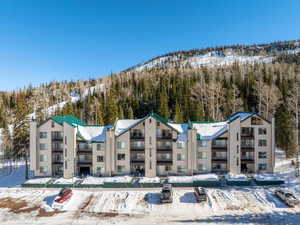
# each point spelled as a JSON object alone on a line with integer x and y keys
{"x": 66, "y": 181}
{"x": 149, "y": 180}
{"x": 43, "y": 180}
{"x": 236, "y": 177}
{"x": 191, "y": 179}
{"x": 101, "y": 180}
{"x": 266, "y": 177}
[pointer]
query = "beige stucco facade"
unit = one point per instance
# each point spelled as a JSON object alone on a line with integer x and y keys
{"x": 153, "y": 147}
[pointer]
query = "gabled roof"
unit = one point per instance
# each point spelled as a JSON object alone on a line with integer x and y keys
{"x": 71, "y": 120}
{"x": 242, "y": 115}
{"x": 92, "y": 133}
{"x": 122, "y": 126}
{"x": 209, "y": 130}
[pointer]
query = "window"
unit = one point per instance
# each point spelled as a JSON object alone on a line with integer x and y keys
{"x": 202, "y": 143}
{"x": 202, "y": 155}
{"x": 100, "y": 147}
{"x": 43, "y": 135}
{"x": 237, "y": 136}
{"x": 262, "y": 155}
{"x": 158, "y": 124}
{"x": 237, "y": 161}
{"x": 66, "y": 152}
{"x": 262, "y": 131}
{"x": 150, "y": 166}
{"x": 180, "y": 145}
{"x": 100, "y": 158}
{"x": 237, "y": 149}
{"x": 121, "y": 169}
{"x": 180, "y": 157}
{"x": 201, "y": 167}
{"x": 52, "y": 124}
{"x": 43, "y": 146}
{"x": 121, "y": 156}
{"x": 150, "y": 140}
{"x": 120, "y": 145}
{"x": 43, "y": 158}
{"x": 43, "y": 169}
{"x": 65, "y": 140}
{"x": 180, "y": 169}
{"x": 262, "y": 166}
{"x": 247, "y": 131}
{"x": 262, "y": 143}
{"x": 66, "y": 165}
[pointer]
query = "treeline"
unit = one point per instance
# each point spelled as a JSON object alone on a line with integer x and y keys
{"x": 207, "y": 93}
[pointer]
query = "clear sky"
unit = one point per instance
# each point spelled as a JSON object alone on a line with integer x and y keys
{"x": 44, "y": 40}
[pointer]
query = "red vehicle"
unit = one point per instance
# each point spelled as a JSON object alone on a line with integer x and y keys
{"x": 64, "y": 194}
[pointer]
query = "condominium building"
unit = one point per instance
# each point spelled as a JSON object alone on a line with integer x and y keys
{"x": 152, "y": 146}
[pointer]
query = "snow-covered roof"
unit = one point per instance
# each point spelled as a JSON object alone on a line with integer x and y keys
{"x": 182, "y": 130}
{"x": 210, "y": 130}
{"x": 123, "y": 125}
{"x": 92, "y": 133}
{"x": 242, "y": 115}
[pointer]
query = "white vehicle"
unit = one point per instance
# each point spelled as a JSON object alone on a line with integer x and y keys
{"x": 287, "y": 197}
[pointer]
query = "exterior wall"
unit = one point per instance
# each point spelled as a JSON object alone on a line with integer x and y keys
{"x": 150, "y": 147}
{"x": 46, "y": 127}
{"x": 96, "y": 164}
{"x": 269, "y": 149}
{"x": 33, "y": 148}
{"x": 70, "y": 162}
{"x": 126, "y": 150}
{"x": 109, "y": 152}
{"x": 191, "y": 156}
{"x": 233, "y": 150}
{"x": 206, "y": 162}
{"x": 183, "y": 161}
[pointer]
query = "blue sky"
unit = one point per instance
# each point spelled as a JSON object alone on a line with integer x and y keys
{"x": 47, "y": 40}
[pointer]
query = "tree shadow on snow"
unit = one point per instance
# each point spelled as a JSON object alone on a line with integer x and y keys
{"x": 188, "y": 197}
{"x": 152, "y": 198}
{"x": 49, "y": 200}
{"x": 274, "y": 218}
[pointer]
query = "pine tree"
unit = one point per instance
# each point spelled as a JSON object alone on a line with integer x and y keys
{"x": 111, "y": 113}
{"x": 178, "y": 114}
{"x": 130, "y": 113}
{"x": 284, "y": 130}
{"x": 163, "y": 105}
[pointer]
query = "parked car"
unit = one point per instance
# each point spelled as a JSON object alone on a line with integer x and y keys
{"x": 200, "y": 194}
{"x": 166, "y": 195}
{"x": 63, "y": 195}
{"x": 287, "y": 197}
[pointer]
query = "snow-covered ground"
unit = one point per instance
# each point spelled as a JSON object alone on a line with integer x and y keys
{"x": 228, "y": 205}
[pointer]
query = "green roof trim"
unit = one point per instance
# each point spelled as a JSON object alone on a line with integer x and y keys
{"x": 159, "y": 118}
{"x": 71, "y": 120}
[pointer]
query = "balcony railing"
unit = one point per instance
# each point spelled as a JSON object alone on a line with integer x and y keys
{"x": 219, "y": 158}
{"x": 57, "y": 149}
{"x": 138, "y": 159}
{"x": 137, "y": 136}
{"x": 166, "y": 136}
{"x": 57, "y": 160}
{"x": 56, "y": 137}
{"x": 85, "y": 161}
{"x": 84, "y": 149}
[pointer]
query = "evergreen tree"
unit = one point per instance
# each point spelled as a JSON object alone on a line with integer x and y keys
{"x": 178, "y": 114}
{"x": 284, "y": 130}
{"x": 130, "y": 113}
{"x": 163, "y": 104}
{"x": 111, "y": 113}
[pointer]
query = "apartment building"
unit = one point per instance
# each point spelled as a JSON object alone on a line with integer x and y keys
{"x": 152, "y": 146}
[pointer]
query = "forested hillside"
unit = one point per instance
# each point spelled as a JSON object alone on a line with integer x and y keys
{"x": 175, "y": 90}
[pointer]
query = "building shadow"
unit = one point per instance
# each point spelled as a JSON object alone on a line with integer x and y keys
{"x": 152, "y": 198}
{"x": 188, "y": 197}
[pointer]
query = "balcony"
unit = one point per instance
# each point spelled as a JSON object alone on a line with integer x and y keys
{"x": 137, "y": 136}
{"x": 164, "y": 161}
{"x": 57, "y": 149}
{"x": 57, "y": 161}
{"x": 138, "y": 160}
{"x": 247, "y": 159}
{"x": 85, "y": 149}
{"x": 84, "y": 161}
{"x": 137, "y": 147}
{"x": 219, "y": 144}
{"x": 164, "y": 149}
{"x": 165, "y": 137}
{"x": 247, "y": 132}
{"x": 57, "y": 137}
